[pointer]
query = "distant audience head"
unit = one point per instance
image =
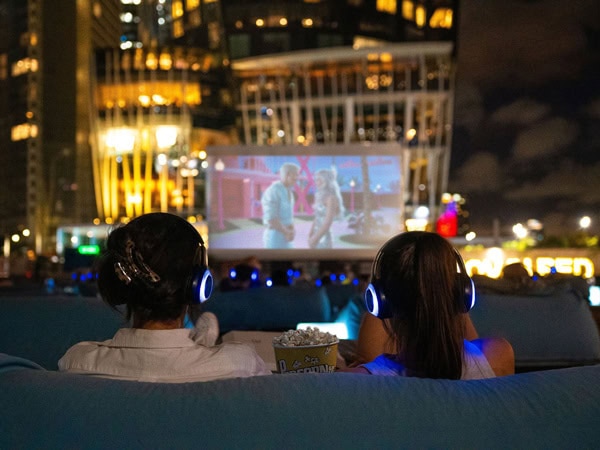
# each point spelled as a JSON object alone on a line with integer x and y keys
{"x": 156, "y": 265}
{"x": 420, "y": 288}
{"x": 516, "y": 272}
{"x": 242, "y": 276}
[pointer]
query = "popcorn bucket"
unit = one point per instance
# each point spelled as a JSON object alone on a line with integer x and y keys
{"x": 306, "y": 358}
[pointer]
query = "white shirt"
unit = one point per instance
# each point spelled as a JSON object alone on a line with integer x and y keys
{"x": 166, "y": 356}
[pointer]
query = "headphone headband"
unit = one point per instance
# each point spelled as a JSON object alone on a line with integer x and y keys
{"x": 375, "y": 296}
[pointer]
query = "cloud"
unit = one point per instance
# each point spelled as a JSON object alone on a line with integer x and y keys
{"x": 468, "y": 110}
{"x": 521, "y": 112}
{"x": 480, "y": 173}
{"x": 568, "y": 181}
{"x": 517, "y": 42}
{"x": 544, "y": 140}
{"x": 555, "y": 223}
{"x": 593, "y": 108}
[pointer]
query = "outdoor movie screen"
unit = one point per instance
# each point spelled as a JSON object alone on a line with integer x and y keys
{"x": 286, "y": 202}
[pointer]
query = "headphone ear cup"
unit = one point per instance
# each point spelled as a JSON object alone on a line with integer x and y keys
{"x": 466, "y": 289}
{"x": 376, "y": 302}
{"x": 201, "y": 284}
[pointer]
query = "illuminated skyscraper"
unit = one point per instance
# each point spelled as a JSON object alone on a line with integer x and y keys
{"x": 45, "y": 54}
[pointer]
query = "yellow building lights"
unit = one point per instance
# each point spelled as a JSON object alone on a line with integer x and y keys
{"x": 441, "y": 18}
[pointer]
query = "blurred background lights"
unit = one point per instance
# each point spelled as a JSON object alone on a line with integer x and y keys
{"x": 520, "y": 231}
{"x": 585, "y": 222}
{"x": 470, "y": 236}
{"x": 422, "y": 212}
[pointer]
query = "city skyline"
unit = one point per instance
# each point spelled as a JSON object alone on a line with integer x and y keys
{"x": 527, "y": 114}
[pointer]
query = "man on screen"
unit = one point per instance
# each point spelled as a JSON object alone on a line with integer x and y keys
{"x": 278, "y": 208}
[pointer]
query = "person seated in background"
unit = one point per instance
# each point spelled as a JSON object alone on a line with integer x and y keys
{"x": 156, "y": 265}
{"x": 517, "y": 275}
{"x": 419, "y": 298}
{"x": 241, "y": 277}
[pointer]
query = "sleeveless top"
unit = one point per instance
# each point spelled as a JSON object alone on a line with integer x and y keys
{"x": 475, "y": 364}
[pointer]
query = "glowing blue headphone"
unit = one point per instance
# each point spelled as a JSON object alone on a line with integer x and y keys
{"x": 201, "y": 280}
{"x": 379, "y": 306}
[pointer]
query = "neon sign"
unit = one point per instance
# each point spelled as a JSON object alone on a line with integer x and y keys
{"x": 493, "y": 264}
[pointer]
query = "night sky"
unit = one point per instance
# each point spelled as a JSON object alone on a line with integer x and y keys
{"x": 527, "y": 113}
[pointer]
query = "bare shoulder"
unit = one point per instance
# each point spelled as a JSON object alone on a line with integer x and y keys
{"x": 499, "y": 354}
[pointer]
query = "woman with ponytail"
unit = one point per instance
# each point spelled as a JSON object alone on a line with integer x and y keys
{"x": 419, "y": 298}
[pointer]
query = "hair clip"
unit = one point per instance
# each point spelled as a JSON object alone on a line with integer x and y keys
{"x": 136, "y": 260}
{"x": 121, "y": 273}
{"x": 134, "y": 266}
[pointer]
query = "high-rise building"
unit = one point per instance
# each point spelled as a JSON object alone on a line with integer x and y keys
{"x": 263, "y": 27}
{"x": 45, "y": 55}
{"x": 162, "y": 96}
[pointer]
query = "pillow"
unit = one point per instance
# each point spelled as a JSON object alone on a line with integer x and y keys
{"x": 274, "y": 308}
{"x": 9, "y": 363}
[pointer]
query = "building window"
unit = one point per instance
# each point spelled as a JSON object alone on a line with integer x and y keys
{"x": 441, "y": 18}
{"x": 276, "y": 42}
{"x": 97, "y": 9}
{"x": 239, "y": 45}
{"x": 408, "y": 10}
{"x": 214, "y": 35}
{"x": 194, "y": 18}
{"x": 23, "y": 66}
{"x": 420, "y": 16}
{"x": 192, "y": 4}
{"x": 387, "y": 6}
{"x": 3, "y": 67}
{"x": 178, "y": 30}
{"x": 329, "y": 40}
{"x": 23, "y": 131}
{"x": 177, "y": 9}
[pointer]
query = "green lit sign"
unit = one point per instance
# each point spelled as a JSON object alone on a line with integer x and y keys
{"x": 88, "y": 249}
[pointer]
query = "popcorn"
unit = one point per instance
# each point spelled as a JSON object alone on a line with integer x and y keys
{"x": 309, "y": 336}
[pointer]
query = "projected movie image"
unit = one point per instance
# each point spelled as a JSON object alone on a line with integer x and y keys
{"x": 302, "y": 202}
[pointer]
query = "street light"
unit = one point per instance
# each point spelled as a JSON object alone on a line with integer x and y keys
{"x": 470, "y": 236}
{"x": 520, "y": 231}
{"x": 585, "y": 222}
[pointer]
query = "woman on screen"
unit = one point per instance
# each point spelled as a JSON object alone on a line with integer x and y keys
{"x": 328, "y": 206}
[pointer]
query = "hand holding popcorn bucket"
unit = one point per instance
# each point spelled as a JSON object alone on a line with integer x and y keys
{"x": 306, "y": 351}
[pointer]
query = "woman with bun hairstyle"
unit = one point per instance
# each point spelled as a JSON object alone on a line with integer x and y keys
{"x": 419, "y": 297}
{"x": 156, "y": 266}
